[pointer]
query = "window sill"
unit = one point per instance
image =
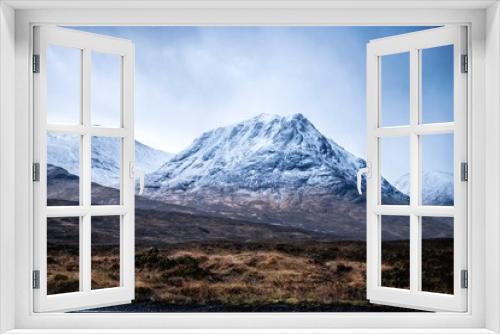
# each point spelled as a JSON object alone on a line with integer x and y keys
{"x": 254, "y": 331}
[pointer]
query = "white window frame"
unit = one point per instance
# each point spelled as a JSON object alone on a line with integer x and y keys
{"x": 16, "y": 20}
{"x": 84, "y": 211}
{"x": 413, "y": 44}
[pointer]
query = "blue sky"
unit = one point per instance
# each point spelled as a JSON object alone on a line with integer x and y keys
{"x": 192, "y": 79}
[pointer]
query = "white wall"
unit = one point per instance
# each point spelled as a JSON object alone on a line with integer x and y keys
{"x": 492, "y": 211}
{"x": 7, "y": 167}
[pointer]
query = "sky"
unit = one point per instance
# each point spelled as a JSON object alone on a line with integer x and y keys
{"x": 189, "y": 80}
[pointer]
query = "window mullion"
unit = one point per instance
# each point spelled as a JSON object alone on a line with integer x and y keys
{"x": 415, "y": 268}
{"x": 414, "y": 119}
{"x": 86, "y": 178}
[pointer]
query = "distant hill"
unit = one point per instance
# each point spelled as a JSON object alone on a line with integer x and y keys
{"x": 437, "y": 187}
{"x": 160, "y": 224}
{"x": 63, "y": 151}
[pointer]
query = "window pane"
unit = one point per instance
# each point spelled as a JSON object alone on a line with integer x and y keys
{"x": 105, "y": 252}
{"x": 63, "y": 85}
{"x": 63, "y": 169}
{"x": 63, "y": 259}
{"x": 437, "y": 254}
{"x": 395, "y": 248}
{"x": 106, "y": 170}
{"x": 395, "y": 170}
{"x": 437, "y": 84}
{"x": 437, "y": 170}
{"x": 106, "y": 90}
{"x": 395, "y": 89}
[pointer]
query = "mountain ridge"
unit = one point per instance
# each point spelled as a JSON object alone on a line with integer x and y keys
{"x": 273, "y": 169}
{"x": 293, "y": 143}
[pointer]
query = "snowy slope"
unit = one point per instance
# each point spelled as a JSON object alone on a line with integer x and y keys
{"x": 265, "y": 152}
{"x": 63, "y": 151}
{"x": 268, "y": 152}
{"x": 149, "y": 159}
{"x": 437, "y": 187}
{"x": 270, "y": 169}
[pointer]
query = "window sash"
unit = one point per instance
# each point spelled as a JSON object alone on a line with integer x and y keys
{"x": 414, "y": 297}
{"x": 86, "y": 297}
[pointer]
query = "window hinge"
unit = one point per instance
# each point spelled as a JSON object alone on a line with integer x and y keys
{"x": 36, "y": 279}
{"x": 36, "y": 63}
{"x": 465, "y": 64}
{"x": 464, "y": 171}
{"x": 36, "y": 172}
{"x": 464, "y": 280}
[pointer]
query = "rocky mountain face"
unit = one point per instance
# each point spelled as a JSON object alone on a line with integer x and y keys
{"x": 270, "y": 169}
{"x": 437, "y": 187}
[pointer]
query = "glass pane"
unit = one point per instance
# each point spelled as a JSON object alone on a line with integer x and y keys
{"x": 63, "y": 259}
{"x": 64, "y": 73}
{"x": 395, "y": 170}
{"x": 63, "y": 169}
{"x": 105, "y": 252}
{"x": 106, "y": 90}
{"x": 437, "y": 254}
{"x": 437, "y": 84}
{"x": 106, "y": 170}
{"x": 437, "y": 169}
{"x": 395, "y": 248}
{"x": 395, "y": 89}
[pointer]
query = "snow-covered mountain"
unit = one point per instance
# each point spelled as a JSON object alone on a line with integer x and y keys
{"x": 63, "y": 151}
{"x": 437, "y": 187}
{"x": 266, "y": 153}
{"x": 270, "y": 169}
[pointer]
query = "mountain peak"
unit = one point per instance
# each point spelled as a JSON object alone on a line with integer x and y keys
{"x": 265, "y": 153}
{"x": 298, "y": 117}
{"x": 265, "y": 117}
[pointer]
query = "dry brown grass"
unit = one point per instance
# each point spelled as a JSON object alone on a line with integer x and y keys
{"x": 245, "y": 276}
{"x": 62, "y": 270}
{"x": 105, "y": 267}
{"x": 235, "y": 274}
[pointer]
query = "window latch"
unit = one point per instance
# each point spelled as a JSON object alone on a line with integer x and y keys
{"x": 359, "y": 176}
{"x": 137, "y": 172}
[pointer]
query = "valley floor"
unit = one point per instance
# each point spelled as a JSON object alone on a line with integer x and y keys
{"x": 243, "y": 277}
